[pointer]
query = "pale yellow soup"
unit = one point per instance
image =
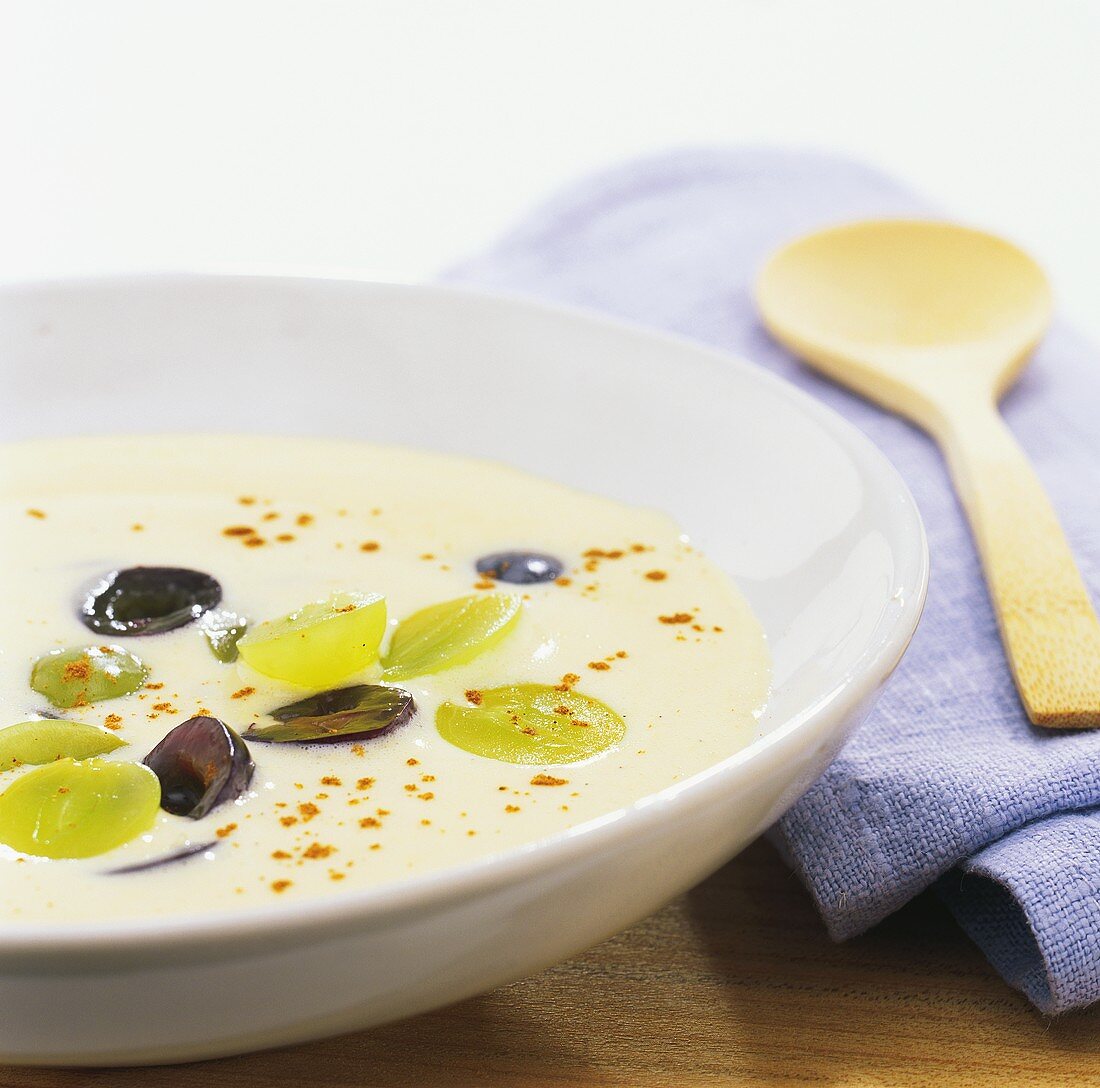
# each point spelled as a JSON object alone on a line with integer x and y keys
{"x": 647, "y": 623}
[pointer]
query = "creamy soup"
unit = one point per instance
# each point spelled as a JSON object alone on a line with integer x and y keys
{"x": 644, "y": 661}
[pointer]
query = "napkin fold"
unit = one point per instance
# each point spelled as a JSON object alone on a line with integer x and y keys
{"x": 947, "y": 783}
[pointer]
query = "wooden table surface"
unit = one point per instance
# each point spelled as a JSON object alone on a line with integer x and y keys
{"x": 735, "y": 983}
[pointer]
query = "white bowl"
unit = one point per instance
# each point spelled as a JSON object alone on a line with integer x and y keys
{"x": 808, "y": 517}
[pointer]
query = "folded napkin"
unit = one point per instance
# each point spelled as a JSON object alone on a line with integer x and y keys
{"x": 947, "y": 783}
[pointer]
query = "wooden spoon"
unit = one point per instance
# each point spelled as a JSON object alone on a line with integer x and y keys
{"x": 934, "y": 322}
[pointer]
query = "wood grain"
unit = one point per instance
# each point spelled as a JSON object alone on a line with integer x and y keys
{"x": 733, "y": 984}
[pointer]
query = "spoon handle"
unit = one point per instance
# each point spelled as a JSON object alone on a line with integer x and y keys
{"x": 1049, "y": 628}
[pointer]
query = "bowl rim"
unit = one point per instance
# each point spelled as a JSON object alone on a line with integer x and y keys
{"x": 323, "y": 917}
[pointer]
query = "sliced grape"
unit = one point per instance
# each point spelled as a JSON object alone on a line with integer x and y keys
{"x": 182, "y": 854}
{"x": 449, "y": 634}
{"x": 200, "y": 764}
{"x": 520, "y": 568}
{"x": 320, "y": 643}
{"x": 44, "y": 741}
{"x": 531, "y": 723}
{"x": 90, "y": 674}
{"x": 148, "y": 600}
{"x": 72, "y": 809}
{"x": 223, "y": 630}
{"x": 355, "y": 713}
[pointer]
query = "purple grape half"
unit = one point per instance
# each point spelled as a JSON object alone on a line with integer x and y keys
{"x": 520, "y": 568}
{"x": 353, "y": 713}
{"x": 182, "y": 854}
{"x": 148, "y": 600}
{"x": 201, "y": 764}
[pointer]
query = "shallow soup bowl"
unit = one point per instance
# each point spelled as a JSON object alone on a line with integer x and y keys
{"x": 803, "y": 512}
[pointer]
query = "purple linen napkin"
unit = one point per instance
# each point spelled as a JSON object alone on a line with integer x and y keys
{"x": 947, "y": 782}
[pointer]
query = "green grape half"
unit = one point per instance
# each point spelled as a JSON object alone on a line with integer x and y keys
{"x": 321, "y": 643}
{"x": 86, "y": 675}
{"x": 531, "y": 723}
{"x": 48, "y": 739}
{"x": 449, "y": 634}
{"x": 72, "y": 809}
{"x": 222, "y": 630}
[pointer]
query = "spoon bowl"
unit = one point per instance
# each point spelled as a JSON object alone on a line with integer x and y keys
{"x": 887, "y": 301}
{"x": 934, "y": 322}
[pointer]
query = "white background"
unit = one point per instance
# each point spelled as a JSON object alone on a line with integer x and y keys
{"x": 390, "y": 138}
